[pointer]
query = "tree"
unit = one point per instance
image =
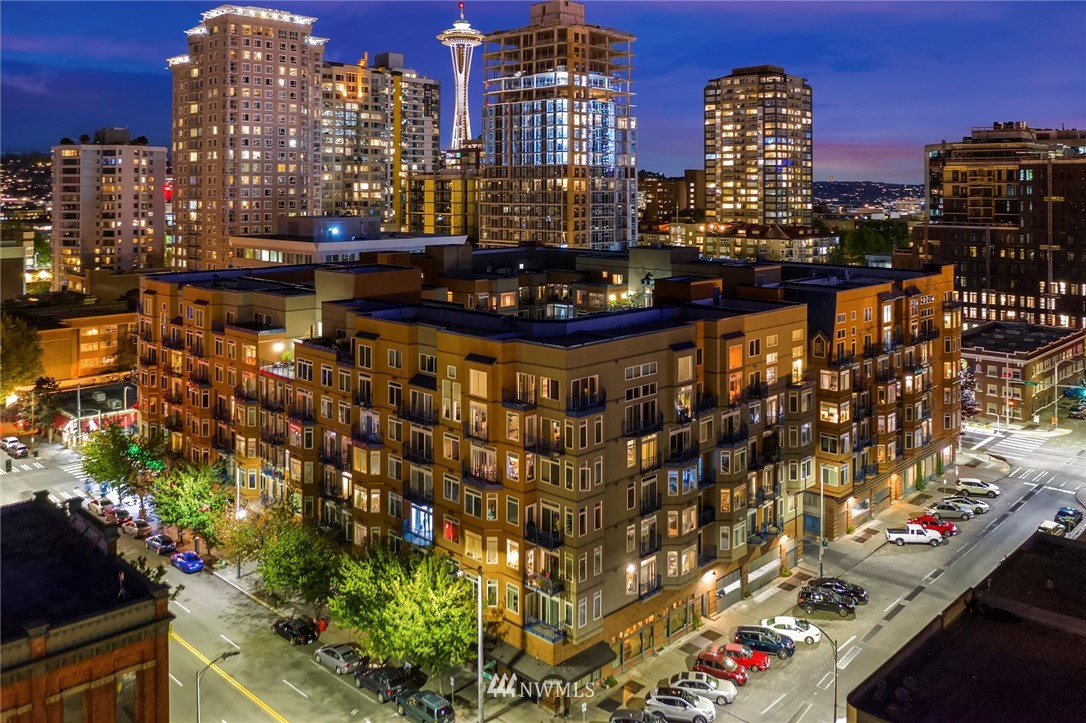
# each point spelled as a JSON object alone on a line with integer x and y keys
{"x": 128, "y": 462}
{"x": 20, "y": 354}
{"x": 40, "y": 406}
{"x": 193, "y": 497}
{"x": 970, "y": 406}
{"x": 364, "y": 596}
{"x": 298, "y": 560}
{"x": 43, "y": 250}
{"x": 243, "y": 537}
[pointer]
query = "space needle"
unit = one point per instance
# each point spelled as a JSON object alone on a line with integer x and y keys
{"x": 461, "y": 39}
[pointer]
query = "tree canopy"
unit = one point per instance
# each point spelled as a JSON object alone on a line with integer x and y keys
{"x": 298, "y": 559}
{"x": 193, "y": 497}
{"x": 39, "y": 409}
{"x": 871, "y": 237}
{"x": 128, "y": 462}
{"x": 20, "y": 354}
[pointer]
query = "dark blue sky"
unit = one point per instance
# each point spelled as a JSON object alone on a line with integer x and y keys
{"x": 886, "y": 77}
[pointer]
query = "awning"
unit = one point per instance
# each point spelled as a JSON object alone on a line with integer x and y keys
{"x": 425, "y": 381}
{"x": 535, "y": 670}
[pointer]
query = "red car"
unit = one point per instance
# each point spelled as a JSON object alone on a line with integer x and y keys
{"x": 946, "y": 528}
{"x": 715, "y": 663}
{"x": 750, "y": 659}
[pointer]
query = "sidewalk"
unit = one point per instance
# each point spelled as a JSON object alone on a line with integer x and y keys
{"x": 1035, "y": 429}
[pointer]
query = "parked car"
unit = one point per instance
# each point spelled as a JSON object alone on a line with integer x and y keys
{"x": 424, "y": 707}
{"x": 675, "y": 705}
{"x": 939, "y": 510}
{"x": 1076, "y": 415}
{"x": 17, "y": 450}
{"x": 715, "y": 663}
{"x": 136, "y": 527}
{"x": 301, "y": 630}
{"x": 342, "y": 658}
{"x": 628, "y": 715}
{"x": 1074, "y": 393}
{"x": 764, "y": 640}
{"x": 8, "y": 442}
{"x": 385, "y": 681}
{"x": 796, "y": 629}
{"x": 1069, "y": 517}
{"x": 717, "y": 690}
{"x": 161, "y": 543}
{"x": 913, "y": 535}
{"x": 976, "y": 487}
{"x": 1052, "y": 528}
{"x": 978, "y": 507}
{"x": 187, "y": 562}
{"x": 118, "y": 515}
{"x": 841, "y": 587}
{"x": 749, "y": 659}
{"x": 1080, "y": 407}
{"x": 100, "y": 507}
{"x": 810, "y": 600}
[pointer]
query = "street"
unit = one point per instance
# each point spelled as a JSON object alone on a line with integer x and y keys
{"x": 908, "y": 586}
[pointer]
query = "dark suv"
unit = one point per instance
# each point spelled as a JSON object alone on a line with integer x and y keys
{"x": 386, "y": 681}
{"x": 810, "y": 600}
{"x": 765, "y": 640}
{"x": 839, "y": 586}
{"x": 424, "y": 707}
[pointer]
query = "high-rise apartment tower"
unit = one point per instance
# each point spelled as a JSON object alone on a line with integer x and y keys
{"x": 461, "y": 40}
{"x": 558, "y": 133}
{"x": 246, "y": 133}
{"x": 758, "y": 147}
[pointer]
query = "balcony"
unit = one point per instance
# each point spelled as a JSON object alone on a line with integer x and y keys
{"x": 896, "y": 342}
{"x": 873, "y": 350}
{"x": 544, "y": 446}
{"x": 682, "y": 455}
{"x": 650, "y": 545}
{"x": 197, "y": 350}
{"x": 707, "y": 556}
{"x": 417, "y": 536}
{"x": 245, "y": 394}
{"x": 221, "y": 415}
{"x": 272, "y": 437}
{"x": 862, "y": 442}
{"x": 364, "y": 398}
{"x": 886, "y": 375}
{"x": 272, "y": 404}
{"x": 926, "y": 335}
{"x": 334, "y": 493}
{"x": 707, "y": 479}
{"x": 649, "y": 588}
{"x": 518, "y": 399}
{"x": 479, "y": 431}
{"x": 201, "y": 378}
{"x": 366, "y": 437}
{"x": 174, "y": 424}
{"x": 860, "y": 383}
{"x": 650, "y": 463}
{"x": 547, "y": 540}
{"x": 417, "y": 414}
{"x": 332, "y": 457}
{"x": 224, "y": 444}
{"x": 173, "y": 397}
{"x": 418, "y": 454}
{"x": 419, "y": 494}
{"x": 147, "y": 360}
{"x": 586, "y": 404}
{"x": 170, "y": 342}
{"x": 641, "y": 427}
{"x": 278, "y": 369}
{"x": 734, "y": 438}
{"x": 757, "y": 390}
{"x": 651, "y": 502}
{"x": 761, "y": 460}
{"x": 550, "y": 633}
{"x": 303, "y": 415}
{"x": 706, "y": 516}
{"x": 481, "y": 476}
{"x": 706, "y": 403}
{"x": 840, "y": 361}
{"x": 545, "y": 582}
{"x": 871, "y": 469}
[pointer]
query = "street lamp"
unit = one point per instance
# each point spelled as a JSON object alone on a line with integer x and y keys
{"x": 833, "y": 645}
{"x": 479, "y": 642}
{"x": 200, "y": 676}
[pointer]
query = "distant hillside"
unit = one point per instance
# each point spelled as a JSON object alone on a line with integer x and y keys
{"x": 864, "y": 193}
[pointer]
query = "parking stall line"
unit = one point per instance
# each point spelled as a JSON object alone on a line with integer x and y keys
{"x": 801, "y": 712}
{"x": 895, "y": 602}
{"x": 826, "y": 680}
{"x": 296, "y": 689}
{"x": 774, "y": 703}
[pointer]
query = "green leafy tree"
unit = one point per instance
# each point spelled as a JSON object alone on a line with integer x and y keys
{"x": 43, "y": 251}
{"x": 20, "y": 354}
{"x": 364, "y": 598}
{"x": 244, "y": 537}
{"x": 155, "y": 574}
{"x": 39, "y": 409}
{"x": 128, "y": 462}
{"x": 191, "y": 497}
{"x": 298, "y": 560}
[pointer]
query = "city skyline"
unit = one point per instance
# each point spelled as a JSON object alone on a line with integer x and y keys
{"x": 104, "y": 65}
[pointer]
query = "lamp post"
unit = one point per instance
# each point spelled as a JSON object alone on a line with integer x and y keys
{"x": 200, "y": 676}
{"x": 821, "y": 522}
{"x": 833, "y": 645}
{"x": 479, "y": 642}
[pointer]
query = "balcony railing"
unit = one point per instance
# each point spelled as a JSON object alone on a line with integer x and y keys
{"x": 926, "y": 335}
{"x": 641, "y": 427}
{"x": 278, "y": 369}
{"x": 733, "y": 438}
{"x": 550, "y": 633}
{"x": 364, "y": 398}
{"x": 421, "y": 494}
{"x": 302, "y": 414}
{"x": 419, "y": 454}
{"x": 585, "y": 404}
{"x": 761, "y": 460}
{"x": 273, "y": 404}
{"x": 334, "y": 492}
{"x": 333, "y": 457}
{"x": 543, "y": 445}
{"x": 518, "y": 399}
{"x": 479, "y": 431}
{"x": 842, "y": 360}
{"x": 757, "y": 390}
{"x": 546, "y": 582}
{"x": 173, "y": 397}
{"x": 481, "y": 476}
{"x": 650, "y": 463}
{"x": 650, "y": 545}
{"x": 174, "y": 424}
{"x": 651, "y": 502}
{"x": 706, "y": 403}
{"x": 417, "y": 414}
{"x": 366, "y": 437}
{"x": 245, "y": 394}
{"x": 202, "y": 378}
{"x": 222, "y": 415}
{"x": 417, "y": 536}
{"x": 146, "y": 360}
{"x": 224, "y": 444}
{"x": 707, "y": 479}
{"x": 546, "y": 540}
{"x": 197, "y": 350}
{"x": 272, "y": 437}
{"x": 172, "y": 342}
{"x": 683, "y": 455}
{"x": 706, "y": 516}
{"x": 649, "y": 588}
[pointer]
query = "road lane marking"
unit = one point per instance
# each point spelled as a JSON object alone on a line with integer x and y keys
{"x": 179, "y": 683}
{"x": 983, "y": 442}
{"x": 895, "y": 602}
{"x": 849, "y": 656}
{"x": 771, "y": 705}
{"x": 229, "y": 641}
{"x": 1040, "y": 475}
{"x": 805, "y": 707}
{"x": 299, "y": 692}
{"x": 845, "y": 644}
{"x": 244, "y": 691}
{"x": 826, "y": 680}
{"x": 181, "y": 606}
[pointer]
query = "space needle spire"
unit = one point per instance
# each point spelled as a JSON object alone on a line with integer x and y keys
{"x": 461, "y": 39}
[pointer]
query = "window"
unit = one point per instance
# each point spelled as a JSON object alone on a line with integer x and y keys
{"x": 631, "y": 580}
{"x": 428, "y": 363}
{"x": 512, "y": 426}
{"x": 477, "y": 383}
{"x": 473, "y": 503}
{"x": 754, "y": 348}
{"x": 492, "y": 550}
{"x": 395, "y": 505}
{"x": 512, "y": 554}
{"x": 597, "y": 605}
{"x": 549, "y": 388}
{"x": 452, "y": 489}
{"x": 450, "y": 448}
{"x": 512, "y": 511}
{"x": 473, "y": 546}
{"x": 492, "y": 593}
{"x": 597, "y": 560}
{"x": 451, "y": 531}
{"x": 395, "y": 358}
{"x": 582, "y": 612}
{"x": 365, "y": 357}
{"x": 512, "y": 598}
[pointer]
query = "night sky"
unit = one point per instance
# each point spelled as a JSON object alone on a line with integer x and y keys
{"x": 886, "y": 77}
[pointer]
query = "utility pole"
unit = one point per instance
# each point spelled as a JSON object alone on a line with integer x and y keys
{"x": 79, "y": 414}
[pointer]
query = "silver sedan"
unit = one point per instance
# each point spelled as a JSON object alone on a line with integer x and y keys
{"x": 341, "y": 657}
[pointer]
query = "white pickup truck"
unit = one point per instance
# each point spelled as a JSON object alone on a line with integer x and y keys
{"x": 913, "y": 534}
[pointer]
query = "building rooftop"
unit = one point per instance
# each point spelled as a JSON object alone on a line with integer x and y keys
{"x": 1015, "y": 338}
{"x": 1029, "y": 615}
{"x": 56, "y": 569}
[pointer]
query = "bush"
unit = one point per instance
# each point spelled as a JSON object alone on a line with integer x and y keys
{"x": 850, "y": 529}
{"x": 785, "y": 572}
{"x": 610, "y": 681}
{"x": 921, "y": 485}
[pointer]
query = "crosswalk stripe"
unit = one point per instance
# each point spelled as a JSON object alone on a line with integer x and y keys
{"x": 39, "y": 465}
